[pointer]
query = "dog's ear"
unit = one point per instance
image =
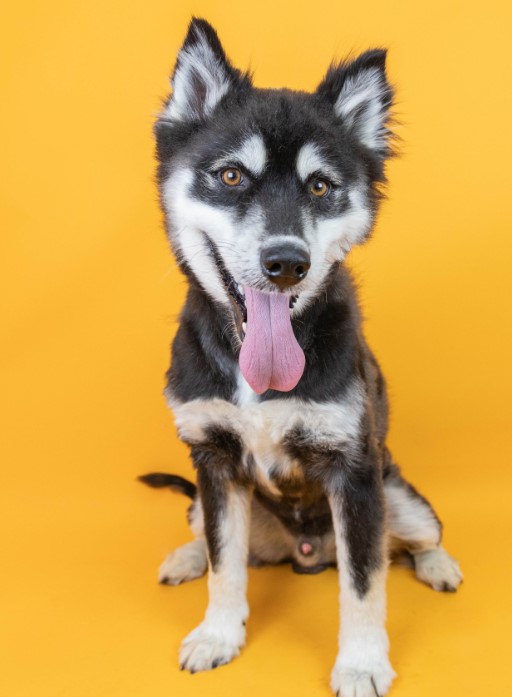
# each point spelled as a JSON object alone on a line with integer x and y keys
{"x": 362, "y": 98}
{"x": 202, "y": 75}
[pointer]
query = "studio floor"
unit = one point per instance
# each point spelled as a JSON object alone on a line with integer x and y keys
{"x": 83, "y": 614}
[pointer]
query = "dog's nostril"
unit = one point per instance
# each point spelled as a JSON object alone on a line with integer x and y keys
{"x": 274, "y": 269}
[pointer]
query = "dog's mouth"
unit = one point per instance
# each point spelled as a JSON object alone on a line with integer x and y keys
{"x": 270, "y": 357}
{"x": 237, "y": 293}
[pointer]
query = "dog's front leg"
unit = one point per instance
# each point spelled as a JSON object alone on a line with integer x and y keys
{"x": 355, "y": 491}
{"x": 225, "y": 500}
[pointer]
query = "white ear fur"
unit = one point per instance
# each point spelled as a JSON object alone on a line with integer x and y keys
{"x": 363, "y": 105}
{"x": 202, "y": 75}
{"x": 362, "y": 98}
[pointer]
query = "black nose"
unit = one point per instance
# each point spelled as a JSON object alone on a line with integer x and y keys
{"x": 285, "y": 264}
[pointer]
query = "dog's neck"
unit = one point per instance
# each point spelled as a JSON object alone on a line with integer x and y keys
{"x": 328, "y": 330}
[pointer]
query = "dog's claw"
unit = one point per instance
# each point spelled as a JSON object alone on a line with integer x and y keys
{"x": 447, "y": 588}
{"x": 374, "y": 687}
{"x": 351, "y": 682}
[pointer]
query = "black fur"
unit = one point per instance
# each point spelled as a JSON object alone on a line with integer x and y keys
{"x": 352, "y": 475}
{"x": 303, "y": 514}
{"x": 347, "y": 477}
{"x": 205, "y": 356}
{"x": 218, "y": 461}
{"x": 160, "y": 480}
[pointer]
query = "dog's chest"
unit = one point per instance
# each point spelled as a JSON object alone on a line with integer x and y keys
{"x": 267, "y": 427}
{"x": 264, "y": 428}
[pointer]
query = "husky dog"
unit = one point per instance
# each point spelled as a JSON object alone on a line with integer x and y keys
{"x": 272, "y": 384}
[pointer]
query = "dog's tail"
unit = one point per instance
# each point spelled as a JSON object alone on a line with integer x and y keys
{"x": 159, "y": 480}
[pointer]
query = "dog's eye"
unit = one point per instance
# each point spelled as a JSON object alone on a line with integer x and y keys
{"x": 231, "y": 176}
{"x": 319, "y": 187}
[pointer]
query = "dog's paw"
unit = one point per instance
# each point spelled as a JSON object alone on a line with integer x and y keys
{"x": 438, "y": 569}
{"x": 208, "y": 647}
{"x": 351, "y": 682}
{"x": 184, "y": 564}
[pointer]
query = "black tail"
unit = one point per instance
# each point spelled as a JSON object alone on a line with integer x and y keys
{"x": 159, "y": 480}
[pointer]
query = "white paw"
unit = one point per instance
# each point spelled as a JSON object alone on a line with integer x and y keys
{"x": 184, "y": 564}
{"x": 438, "y": 569}
{"x": 351, "y": 682}
{"x": 207, "y": 647}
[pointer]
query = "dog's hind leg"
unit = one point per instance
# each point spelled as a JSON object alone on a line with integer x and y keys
{"x": 413, "y": 526}
{"x": 189, "y": 561}
{"x": 184, "y": 564}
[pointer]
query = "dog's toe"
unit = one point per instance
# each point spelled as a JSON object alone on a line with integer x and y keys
{"x": 209, "y": 647}
{"x": 436, "y": 568}
{"x": 347, "y": 682}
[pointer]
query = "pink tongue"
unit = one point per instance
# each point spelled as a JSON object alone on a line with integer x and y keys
{"x": 270, "y": 357}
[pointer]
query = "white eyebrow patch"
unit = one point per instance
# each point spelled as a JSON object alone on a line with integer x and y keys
{"x": 310, "y": 160}
{"x": 251, "y": 154}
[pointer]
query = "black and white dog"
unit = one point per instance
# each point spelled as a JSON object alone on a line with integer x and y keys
{"x": 272, "y": 383}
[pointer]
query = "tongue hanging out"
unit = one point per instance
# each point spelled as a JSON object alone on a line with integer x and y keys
{"x": 271, "y": 357}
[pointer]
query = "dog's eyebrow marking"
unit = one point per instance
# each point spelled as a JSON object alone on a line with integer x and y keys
{"x": 310, "y": 161}
{"x": 251, "y": 154}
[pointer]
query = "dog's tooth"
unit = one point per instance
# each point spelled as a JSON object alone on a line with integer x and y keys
{"x": 244, "y": 326}
{"x": 241, "y": 289}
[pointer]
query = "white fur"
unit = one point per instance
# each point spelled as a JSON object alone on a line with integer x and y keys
{"x": 360, "y": 105}
{"x": 237, "y": 242}
{"x": 196, "y": 62}
{"x": 251, "y": 154}
{"x": 436, "y": 568}
{"x": 329, "y": 242}
{"x": 221, "y": 635}
{"x": 245, "y": 394}
{"x": 310, "y": 161}
{"x": 240, "y": 242}
{"x": 188, "y": 218}
{"x": 363, "y": 642}
{"x": 410, "y": 519}
{"x": 262, "y": 425}
{"x": 184, "y": 564}
{"x": 331, "y": 239}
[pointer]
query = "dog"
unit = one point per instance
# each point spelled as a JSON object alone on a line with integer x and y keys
{"x": 272, "y": 384}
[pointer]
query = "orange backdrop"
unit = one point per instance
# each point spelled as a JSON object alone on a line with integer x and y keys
{"x": 90, "y": 297}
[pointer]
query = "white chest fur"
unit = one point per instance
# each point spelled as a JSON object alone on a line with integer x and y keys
{"x": 263, "y": 425}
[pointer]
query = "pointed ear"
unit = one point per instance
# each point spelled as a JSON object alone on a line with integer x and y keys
{"x": 202, "y": 75}
{"x": 362, "y": 98}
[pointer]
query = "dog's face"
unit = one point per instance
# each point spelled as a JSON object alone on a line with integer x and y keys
{"x": 269, "y": 188}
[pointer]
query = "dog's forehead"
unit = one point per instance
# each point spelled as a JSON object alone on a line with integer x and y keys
{"x": 273, "y": 127}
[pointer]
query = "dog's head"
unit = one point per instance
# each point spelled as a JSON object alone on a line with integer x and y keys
{"x": 264, "y": 191}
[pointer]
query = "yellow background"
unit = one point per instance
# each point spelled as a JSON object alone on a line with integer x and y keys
{"x": 89, "y": 302}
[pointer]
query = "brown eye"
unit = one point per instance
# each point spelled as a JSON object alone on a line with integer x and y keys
{"x": 231, "y": 176}
{"x": 319, "y": 187}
